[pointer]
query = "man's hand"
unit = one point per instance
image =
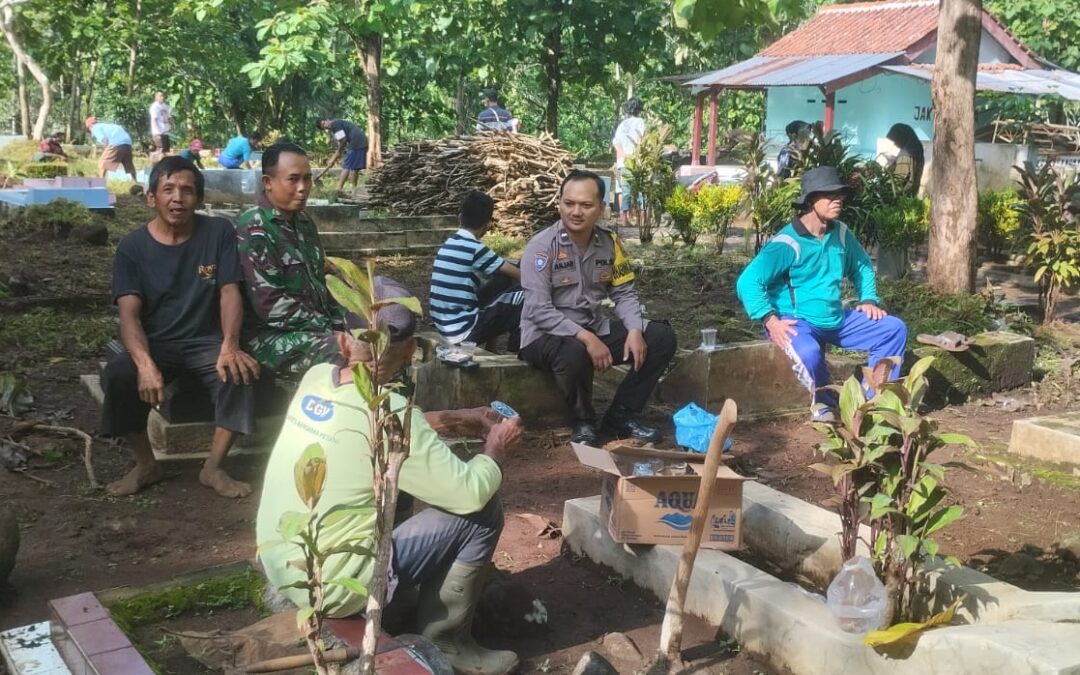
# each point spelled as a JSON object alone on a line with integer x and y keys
{"x": 238, "y": 365}
{"x": 502, "y": 438}
{"x": 151, "y": 385}
{"x": 872, "y": 311}
{"x": 781, "y": 331}
{"x": 598, "y": 351}
{"x": 636, "y": 348}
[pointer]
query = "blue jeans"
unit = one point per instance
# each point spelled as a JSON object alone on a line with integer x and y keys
{"x": 230, "y": 162}
{"x": 883, "y": 338}
{"x": 432, "y": 540}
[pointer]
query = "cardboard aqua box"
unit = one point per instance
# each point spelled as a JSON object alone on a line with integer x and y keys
{"x": 648, "y": 496}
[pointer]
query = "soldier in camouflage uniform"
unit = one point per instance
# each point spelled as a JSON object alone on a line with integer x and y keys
{"x": 284, "y": 267}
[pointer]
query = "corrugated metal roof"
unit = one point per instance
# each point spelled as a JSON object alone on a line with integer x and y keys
{"x": 790, "y": 71}
{"x": 1011, "y": 80}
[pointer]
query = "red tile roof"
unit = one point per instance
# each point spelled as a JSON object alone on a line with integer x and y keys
{"x": 860, "y": 28}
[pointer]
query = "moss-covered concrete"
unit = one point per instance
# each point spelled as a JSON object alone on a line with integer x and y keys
{"x": 529, "y": 391}
{"x": 998, "y": 361}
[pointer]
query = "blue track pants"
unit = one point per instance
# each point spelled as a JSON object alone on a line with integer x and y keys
{"x": 883, "y": 338}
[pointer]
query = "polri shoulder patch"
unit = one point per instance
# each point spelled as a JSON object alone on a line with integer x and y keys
{"x": 541, "y": 262}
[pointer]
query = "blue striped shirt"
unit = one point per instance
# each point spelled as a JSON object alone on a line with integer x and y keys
{"x": 462, "y": 264}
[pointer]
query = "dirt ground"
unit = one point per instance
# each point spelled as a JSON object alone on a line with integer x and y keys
{"x": 76, "y": 539}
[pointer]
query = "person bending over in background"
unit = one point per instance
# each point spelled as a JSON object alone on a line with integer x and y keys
{"x": 351, "y": 140}
{"x": 193, "y": 153}
{"x": 237, "y": 152}
{"x": 117, "y": 147}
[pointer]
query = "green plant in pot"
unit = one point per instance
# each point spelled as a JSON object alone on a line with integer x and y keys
{"x": 999, "y": 229}
{"x": 879, "y": 457}
{"x": 900, "y": 227}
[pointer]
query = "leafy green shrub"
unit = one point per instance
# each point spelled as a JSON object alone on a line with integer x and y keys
{"x": 714, "y": 208}
{"x": 1054, "y": 249}
{"x": 680, "y": 208}
{"x": 927, "y": 311}
{"x": 43, "y": 170}
{"x": 879, "y": 459}
{"x": 773, "y": 209}
{"x": 902, "y": 224}
{"x": 999, "y": 220}
{"x": 57, "y": 218}
{"x": 651, "y": 179}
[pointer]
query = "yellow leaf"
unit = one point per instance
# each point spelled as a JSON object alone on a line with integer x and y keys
{"x": 901, "y": 631}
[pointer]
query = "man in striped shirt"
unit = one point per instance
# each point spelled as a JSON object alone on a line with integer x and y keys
{"x": 475, "y": 294}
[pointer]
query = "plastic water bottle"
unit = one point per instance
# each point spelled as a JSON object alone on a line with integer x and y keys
{"x": 856, "y": 597}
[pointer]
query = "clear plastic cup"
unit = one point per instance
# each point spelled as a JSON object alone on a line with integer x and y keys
{"x": 467, "y": 348}
{"x": 708, "y": 339}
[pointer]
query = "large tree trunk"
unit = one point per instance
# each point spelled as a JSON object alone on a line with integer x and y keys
{"x": 7, "y": 23}
{"x": 24, "y": 99}
{"x": 371, "y": 46}
{"x": 461, "y": 107}
{"x": 553, "y": 77}
{"x": 951, "y": 264}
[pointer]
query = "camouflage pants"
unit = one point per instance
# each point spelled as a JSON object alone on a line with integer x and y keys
{"x": 295, "y": 351}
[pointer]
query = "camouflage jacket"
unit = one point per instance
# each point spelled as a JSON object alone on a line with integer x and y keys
{"x": 283, "y": 265}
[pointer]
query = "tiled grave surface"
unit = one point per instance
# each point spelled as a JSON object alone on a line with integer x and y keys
{"x": 90, "y": 642}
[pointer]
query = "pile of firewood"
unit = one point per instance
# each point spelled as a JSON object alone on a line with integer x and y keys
{"x": 521, "y": 173}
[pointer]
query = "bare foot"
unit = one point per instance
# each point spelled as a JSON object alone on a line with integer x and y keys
{"x": 136, "y": 479}
{"x": 223, "y": 484}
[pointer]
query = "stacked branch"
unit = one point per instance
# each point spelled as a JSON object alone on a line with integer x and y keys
{"x": 521, "y": 173}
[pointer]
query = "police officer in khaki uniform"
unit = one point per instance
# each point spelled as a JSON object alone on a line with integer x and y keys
{"x": 566, "y": 271}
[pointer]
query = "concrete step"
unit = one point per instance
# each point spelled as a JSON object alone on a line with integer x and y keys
{"x": 391, "y": 240}
{"x": 1054, "y": 438}
{"x": 351, "y": 218}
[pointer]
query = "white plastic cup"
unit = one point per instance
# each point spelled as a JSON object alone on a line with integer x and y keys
{"x": 468, "y": 348}
{"x": 708, "y": 339}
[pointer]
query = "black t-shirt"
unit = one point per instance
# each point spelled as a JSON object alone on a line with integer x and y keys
{"x": 345, "y": 130}
{"x": 179, "y": 284}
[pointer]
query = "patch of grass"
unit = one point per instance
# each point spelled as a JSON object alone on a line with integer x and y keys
{"x": 235, "y": 591}
{"x": 507, "y": 247}
{"x": 45, "y": 332}
{"x": 57, "y": 217}
{"x": 927, "y": 311}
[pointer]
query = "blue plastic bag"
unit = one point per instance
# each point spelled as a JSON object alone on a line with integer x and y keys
{"x": 694, "y": 427}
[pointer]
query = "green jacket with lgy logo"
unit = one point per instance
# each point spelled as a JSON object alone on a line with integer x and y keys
{"x": 799, "y": 275}
{"x": 294, "y": 314}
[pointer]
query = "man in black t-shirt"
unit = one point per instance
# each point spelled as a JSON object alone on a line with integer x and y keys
{"x": 176, "y": 282}
{"x": 346, "y": 135}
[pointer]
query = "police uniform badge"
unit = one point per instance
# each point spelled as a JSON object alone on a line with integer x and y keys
{"x": 541, "y": 261}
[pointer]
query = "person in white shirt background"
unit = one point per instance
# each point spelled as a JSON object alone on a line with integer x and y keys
{"x": 627, "y": 137}
{"x": 161, "y": 124}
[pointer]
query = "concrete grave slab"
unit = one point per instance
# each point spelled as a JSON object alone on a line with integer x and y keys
{"x": 191, "y": 440}
{"x": 998, "y": 361}
{"x": 793, "y": 629}
{"x": 501, "y": 377}
{"x": 756, "y": 374}
{"x": 1055, "y": 438}
{"x": 801, "y": 540}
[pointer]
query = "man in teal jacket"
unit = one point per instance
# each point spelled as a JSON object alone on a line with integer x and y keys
{"x": 793, "y": 286}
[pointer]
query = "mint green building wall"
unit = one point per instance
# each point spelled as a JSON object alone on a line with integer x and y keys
{"x": 864, "y": 111}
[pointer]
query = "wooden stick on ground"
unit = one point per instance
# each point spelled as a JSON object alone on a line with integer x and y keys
{"x": 672, "y": 628}
{"x": 303, "y": 660}
{"x": 88, "y": 445}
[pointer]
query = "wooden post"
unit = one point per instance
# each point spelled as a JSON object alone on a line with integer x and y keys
{"x": 695, "y": 131}
{"x": 830, "y": 110}
{"x": 672, "y": 627}
{"x": 712, "y": 128}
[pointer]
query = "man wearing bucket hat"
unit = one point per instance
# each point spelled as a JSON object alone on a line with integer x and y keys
{"x": 444, "y": 551}
{"x": 793, "y": 286}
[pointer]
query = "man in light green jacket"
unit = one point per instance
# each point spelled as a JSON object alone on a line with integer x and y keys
{"x": 446, "y": 549}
